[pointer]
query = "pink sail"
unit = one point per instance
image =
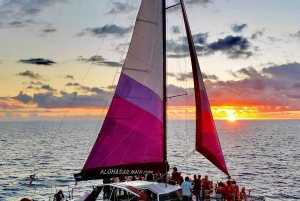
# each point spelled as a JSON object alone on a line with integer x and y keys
{"x": 207, "y": 140}
{"x": 131, "y": 139}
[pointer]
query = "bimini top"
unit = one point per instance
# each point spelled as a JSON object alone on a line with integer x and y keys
{"x": 158, "y": 188}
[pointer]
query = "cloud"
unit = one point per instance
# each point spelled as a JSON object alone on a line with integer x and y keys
{"x": 114, "y": 30}
{"x": 20, "y": 9}
{"x": 38, "y": 61}
{"x": 175, "y": 29}
{"x": 295, "y": 35}
{"x": 49, "y": 100}
{"x": 36, "y": 83}
{"x": 69, "y": 77}
{"x": 99, "y": 60}
{"x": 273, "y": 89}
{"x": 238, "y": 27}
{"x": 257, "y": 33}
{"x": 189, "y": 75}
{"x": 93, "y": 90}
{"x": 235, "y": 47}
{"x": 49, "y": 30}
{"x": 30, "y": 74}
{"x": 119, "y": 7}
{"x": 31, "y": 87}
{"x": 274, "y": 39}
{"x": 24, "y": 98}
{"x": 48, "y": 88}
{"x": 73, "y": 84}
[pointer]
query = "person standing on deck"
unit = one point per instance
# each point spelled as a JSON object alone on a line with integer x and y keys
{"x": 187, "y": 188}
{"x": 207, "y": 185}
{"x": 175, "y": 175}
{"x": 229, "y": 191}
{"x": 197, "y": 187}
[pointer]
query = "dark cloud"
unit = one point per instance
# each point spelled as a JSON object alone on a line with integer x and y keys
{"x": 238, "y": 27}
{"x": 112, "y": 87}
{"x": 200, "y": 38}
{"x": 38, "y": 61}
{"x": 49, "y": 30}
{"x": 250, "y": 71}
{"x": 295, "y": 35}
{"x": 114, "y": 30}
{"x": 286, "y": 71}
{"x": 92, "y": 90}
{"x": 18, "y": 9}
{"x": 99, "y": 60}
{"x": 16, "y": 24}
{"x": 69, "y": 77}
{"x": 200, "y": 2}
{"x": 73, "y": 84}
{"x": 257, "y": 34}
{"x": 189, "y": 75}
{"x": 234, "y": 47}
{"x": 31, "y": 87}
{"x": 119, "y": 7}
{"x": 274, "y": 39}
{"x": 48, "y": 88}
{"x": 175, "y": 29}
{"x": 36, "y": 83}
{"x": 49, "y": 100}
{"x": 24, "y": 98}
{"x": 30, "y": 74}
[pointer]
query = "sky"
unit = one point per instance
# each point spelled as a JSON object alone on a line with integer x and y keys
{"x": 60, "y": 59}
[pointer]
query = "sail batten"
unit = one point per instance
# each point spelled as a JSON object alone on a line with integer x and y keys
{"x": 207, "y": 140}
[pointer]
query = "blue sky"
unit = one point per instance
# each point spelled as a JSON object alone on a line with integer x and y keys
{"x": 248, "y": 51}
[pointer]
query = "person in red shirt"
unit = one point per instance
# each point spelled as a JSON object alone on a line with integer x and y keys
{"x": 229, "y": 191}
{"x": 175, "y": 175}
{"x": 206, "y": 185}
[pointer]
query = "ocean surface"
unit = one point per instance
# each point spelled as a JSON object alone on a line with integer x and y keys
{"x": 262, "y": 155}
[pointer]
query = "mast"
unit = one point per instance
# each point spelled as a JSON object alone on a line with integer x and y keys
{"x": 164, "y": 81}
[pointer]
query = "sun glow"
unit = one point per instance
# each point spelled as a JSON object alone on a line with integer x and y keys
{"x": 231, "y": 116}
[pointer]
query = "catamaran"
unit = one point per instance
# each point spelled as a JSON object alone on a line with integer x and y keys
{"x": 133, "y": 137}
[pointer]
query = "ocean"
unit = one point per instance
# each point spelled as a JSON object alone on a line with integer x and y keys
{"x": 262, "y": 155}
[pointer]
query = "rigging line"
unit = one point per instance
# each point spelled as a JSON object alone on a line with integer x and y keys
{"x": 115, "y": 75}
{"x": 186, "y": 98}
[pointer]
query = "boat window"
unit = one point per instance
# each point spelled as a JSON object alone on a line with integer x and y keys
{"x": 169, "y": 196}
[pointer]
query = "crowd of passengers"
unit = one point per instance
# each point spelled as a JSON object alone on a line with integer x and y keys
{"x": 201, "y": 189}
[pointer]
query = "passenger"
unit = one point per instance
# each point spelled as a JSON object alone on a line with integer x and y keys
{"x": 197, "y": 188}
{"x": 243, "y": 194}
{"x": 59, "y": 196}
{"x": 128, "y": 178}
{"x": 237, "y": 190}
{"x": 175, "y": 175}
{"x": 168, "y": 177}
{"x": 219, "y": 191}
{"x": 157, "y": 177}
{"x": 229, "y": 191}
{"x": 115, "y": 180}
{"x": 136, "y": 177}
{"x": 149, "y": 177}
{"x": 187, "y": 188}
{"x": 180, "y": 179}
{"x": 207, "y": 185}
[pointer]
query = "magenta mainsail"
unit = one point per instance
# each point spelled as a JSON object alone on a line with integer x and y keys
{"x": 207, "y": 140}
{"x": 131, "y": 138}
